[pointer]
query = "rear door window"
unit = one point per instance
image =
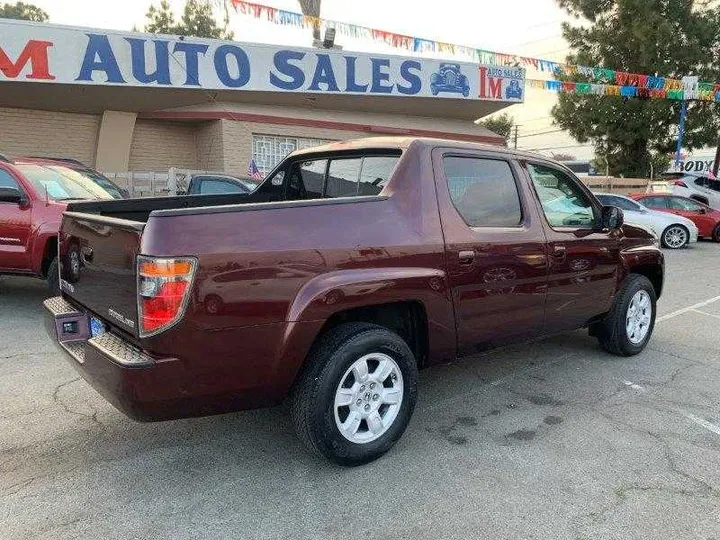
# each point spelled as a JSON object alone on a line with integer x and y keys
{"x": 684, "y": 205}
{"x": 483, "y": 191}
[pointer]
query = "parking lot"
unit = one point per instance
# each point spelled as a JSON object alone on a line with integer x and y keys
{"x": 554, "y": 439}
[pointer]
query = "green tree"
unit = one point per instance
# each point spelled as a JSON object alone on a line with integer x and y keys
{"x": 669, "y": 38}
{"x": 502, "y": 124}
{"x": 197, "y": 20}
{"x": 22, "y": 11}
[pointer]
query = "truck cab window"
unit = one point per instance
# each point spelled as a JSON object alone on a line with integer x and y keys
{"x": 342, "y": 180}
{"x": 564, "y": 203}
{"x": 375, "y": 173}
{"x": 483, "y": 191}
{"x": 212, "y": 186}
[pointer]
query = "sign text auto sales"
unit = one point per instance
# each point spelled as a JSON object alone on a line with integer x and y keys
{"x": 48, "y": 53}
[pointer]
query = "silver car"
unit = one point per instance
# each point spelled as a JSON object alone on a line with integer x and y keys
{"x": 673, "y": 231}
{"x": 698, "y": 187}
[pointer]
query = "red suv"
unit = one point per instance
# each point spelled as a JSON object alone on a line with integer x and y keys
{"x": 707, "y": 219}
{"x": 33, "y": 197}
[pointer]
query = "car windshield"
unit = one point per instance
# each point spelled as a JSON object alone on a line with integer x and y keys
{"x": 97, "y": 178}
{"x": 61, "y": 183}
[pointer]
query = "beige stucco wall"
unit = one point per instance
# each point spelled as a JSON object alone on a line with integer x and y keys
{"x": 209, "y": 144}
{"x": 158, "y": 145}
{"x": 33, "y": 132}
{"x": 114, "y": 141}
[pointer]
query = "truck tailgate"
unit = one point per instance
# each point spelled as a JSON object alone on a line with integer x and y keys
{"x": 97, "y": 266}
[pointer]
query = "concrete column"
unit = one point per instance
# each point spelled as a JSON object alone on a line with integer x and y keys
{"x": 114, "y": 141}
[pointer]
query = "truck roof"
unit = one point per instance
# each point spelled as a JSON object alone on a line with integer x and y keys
{"x": 403, "y": 142}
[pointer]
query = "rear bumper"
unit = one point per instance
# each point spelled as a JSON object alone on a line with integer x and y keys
{"x": 122, "y": 373}
{"x": 142, "y": 386}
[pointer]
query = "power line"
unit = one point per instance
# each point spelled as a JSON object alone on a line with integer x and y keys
{"x": 542, "y": 133}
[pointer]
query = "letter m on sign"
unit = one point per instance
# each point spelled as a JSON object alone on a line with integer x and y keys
{"x": 36, "y": 53}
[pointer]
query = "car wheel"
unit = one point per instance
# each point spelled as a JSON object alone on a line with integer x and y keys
{"x": 675, "y": 237}
{"x": 627, "y": 328}
{"x": 53, "y": 278}
{"x": 716, "y": 233}
{"x": 356, "y": 394}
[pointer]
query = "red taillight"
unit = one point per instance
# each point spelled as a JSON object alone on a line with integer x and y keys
{"x": 680, "y": 183}
{"x": 163, "y": 292}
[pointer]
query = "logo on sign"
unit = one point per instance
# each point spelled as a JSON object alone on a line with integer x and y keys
{"x": 449, "y": 78}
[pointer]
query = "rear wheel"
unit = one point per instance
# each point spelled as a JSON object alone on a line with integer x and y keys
{"x": 675, "y": 237}
{"x": 628, "y": 326}
{"x": 356, "y": 395}
{"x": 53, "y": 278}
{"x": 716, "y": 233}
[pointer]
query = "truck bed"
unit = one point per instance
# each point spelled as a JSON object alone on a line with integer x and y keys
{"x": 139, "y": 209}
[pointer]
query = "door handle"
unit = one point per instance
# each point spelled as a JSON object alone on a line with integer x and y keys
{"x": 466, "y": 257}
{"x": 559, "y": 251}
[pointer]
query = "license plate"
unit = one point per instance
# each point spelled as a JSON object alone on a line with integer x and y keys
{"x": 96, "y": 327}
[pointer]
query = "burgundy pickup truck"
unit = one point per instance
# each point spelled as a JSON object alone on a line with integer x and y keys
{"x": 351, "y": 266}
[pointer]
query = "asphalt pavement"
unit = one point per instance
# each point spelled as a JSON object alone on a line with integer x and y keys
{"x": 556, "y": 439}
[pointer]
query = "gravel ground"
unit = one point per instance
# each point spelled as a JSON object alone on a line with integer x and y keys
{"x": 551, "y": 440}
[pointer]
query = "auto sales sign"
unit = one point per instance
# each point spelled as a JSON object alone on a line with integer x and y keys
{"x": 33, "y": 52}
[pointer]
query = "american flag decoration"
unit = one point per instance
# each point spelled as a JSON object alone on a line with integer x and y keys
{"x": 253, "y": 171}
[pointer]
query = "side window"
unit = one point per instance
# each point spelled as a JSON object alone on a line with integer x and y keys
{"x": 684, "y": 205}
{"x": 211, "y": 186}
{"x": 342, "y": 178}
{"x": 7, "y": 181}
{"x": 623, "y": 203}
{"x": 701, "y": 182}
{"x": 376, "y": 171}
{"x": 564, "y": 203}
{"x": 655, "y": 202}
{"x": 483, "y": 191}
{"x": 713, "y": 184}
{"x": 311, "y": 176}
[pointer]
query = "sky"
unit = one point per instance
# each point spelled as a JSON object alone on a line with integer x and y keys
{"x": 524, "y": 27}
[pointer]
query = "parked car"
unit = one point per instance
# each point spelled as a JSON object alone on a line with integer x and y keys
{"x": 673, "y": 231}
{"x": 449, "y": 78}
{"x": 705, "y": 218}
{"x": 438, "y": 250}
{"x": 32, "y": 200}
{"x": 62, "y": 165}
{"x": 698, "y": 187}
{"x": 206, "y": 184}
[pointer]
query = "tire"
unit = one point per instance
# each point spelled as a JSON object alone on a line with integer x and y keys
{"x": 612, "y": 332}
{"x": 716, "y": 233}
{"x": 675, "y": 237}
{"x": 53, "y": 279}
{"x": 329, "y": 372}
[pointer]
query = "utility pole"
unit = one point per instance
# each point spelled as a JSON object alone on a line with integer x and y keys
{"x": 717, "y": 160}
{"x": 515, "y": 137}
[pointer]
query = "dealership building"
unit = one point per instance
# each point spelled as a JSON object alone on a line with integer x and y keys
{"x": 122, "y": 101}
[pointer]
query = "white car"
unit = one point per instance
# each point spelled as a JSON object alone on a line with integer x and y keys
{"x": 673, "y": 231}
{"x": 698, "y": 187}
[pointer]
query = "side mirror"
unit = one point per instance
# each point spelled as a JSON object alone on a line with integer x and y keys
{"x": 703, "y": 210}
{"x": 12, "y": 195}
{"x": 612, "y": 217}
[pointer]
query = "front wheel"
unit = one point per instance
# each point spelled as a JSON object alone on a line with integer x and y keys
{"x": 628, "y": 326}
{"x": 675, "y": 237}
{"x": 356, "y": 394}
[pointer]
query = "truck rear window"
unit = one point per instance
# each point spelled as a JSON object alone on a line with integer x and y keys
{"x": 350, "y": 176}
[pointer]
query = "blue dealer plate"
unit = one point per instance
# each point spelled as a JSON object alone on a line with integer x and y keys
{"x": 96, "y": 327}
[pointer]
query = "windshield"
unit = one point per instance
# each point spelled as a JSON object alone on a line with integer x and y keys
{"x": 61, "y": 183}
{"x": 98, "y": 179}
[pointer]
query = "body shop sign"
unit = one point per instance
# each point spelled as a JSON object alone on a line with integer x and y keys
{"x": 57, "y": 54}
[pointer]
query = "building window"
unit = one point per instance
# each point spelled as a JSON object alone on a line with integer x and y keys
{"x": 268, "y": 150}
